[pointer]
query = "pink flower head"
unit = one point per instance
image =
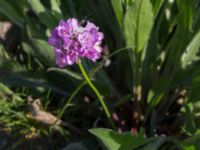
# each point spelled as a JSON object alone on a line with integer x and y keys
{"x": 72, "y": 41}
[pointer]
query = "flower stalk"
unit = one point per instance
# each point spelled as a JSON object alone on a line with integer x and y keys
{"x": 92, "y": 86}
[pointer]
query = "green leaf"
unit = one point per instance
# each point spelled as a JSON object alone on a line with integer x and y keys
{"x": 157, "y": 6}
{"x": 68, "y": 72}
{"x": 34, "y": 31}
{"x": 189, "y": 147}
{"x": 40, "y": 50}
{"x": 186, "y": 9}
{"x": 192, "y": 143}
{"x": 3, "y": 54}
{"x": 20, "y": 79}
{"x": 192, "y": 50}
{"x": 138, "y": 24}
{"x": 194, "y": 94}
{"x": 196, "y": 21}
{"x": 43, "y": 13}
{"x": 189, "y": 121}
{"x": 156, "y": 92}
{"x": 192, "y": 140}
{"x": 155, "y": 145}
{"x": 55, "y": 6}
{"x": 7, "y": 9}
{"x": 56, "y": 9}
{"x": 117, "y": 6}
{"x": 5, "y": 89}
{"x": 116, "y": 141}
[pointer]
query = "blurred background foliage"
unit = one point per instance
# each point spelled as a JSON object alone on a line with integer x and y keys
{"x": 149, "y": 76}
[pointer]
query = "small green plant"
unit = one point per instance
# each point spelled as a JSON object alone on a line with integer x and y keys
{"x": 15, "y": 120}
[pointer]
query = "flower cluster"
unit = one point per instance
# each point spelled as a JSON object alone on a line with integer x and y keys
{"x": 72, "y": 40}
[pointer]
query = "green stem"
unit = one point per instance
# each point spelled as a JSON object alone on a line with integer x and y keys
{"x": 97, "y": 94}
{"x": 70, "y": 99}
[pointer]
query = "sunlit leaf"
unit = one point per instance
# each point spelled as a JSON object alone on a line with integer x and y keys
{"x": 56, "y": 9}
{"x": 138, "y": 24}
{"x": 191, "y": 53}
{"x": 117, "y": 141}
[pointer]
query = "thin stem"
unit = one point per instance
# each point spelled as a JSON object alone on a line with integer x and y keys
{"x": 70, "y": 99}
{"x": 97, "y": 94}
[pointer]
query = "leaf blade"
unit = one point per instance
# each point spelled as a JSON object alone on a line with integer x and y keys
{"x": 139, "y": 20}
{"x": 117, "y": 141}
